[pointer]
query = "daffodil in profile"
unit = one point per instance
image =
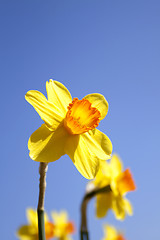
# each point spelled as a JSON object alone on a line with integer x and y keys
{"x": 69, "y": 128}
{"x": 121, "y": 182}
{"x": 30, "y": 231}
{"x": 63, "y": 227}
{"x": 110, "y": 233}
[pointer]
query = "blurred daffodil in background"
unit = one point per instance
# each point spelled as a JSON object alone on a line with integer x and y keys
{"x": 110, "y": 233}
{"x": 30, "y": 231}
{"x": 69, "y": 128}
{"x": 111, "y": 173}
{"x": 63, "y": 227}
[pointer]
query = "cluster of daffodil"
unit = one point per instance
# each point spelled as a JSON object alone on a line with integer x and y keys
{"x": 59, "y": 228}
{"x": 70, "y": 128}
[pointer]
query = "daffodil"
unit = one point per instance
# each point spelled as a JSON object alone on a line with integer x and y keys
{"x": 69, "y": 128}
{"x": 111, "y": 173}
{"x": 110, "y": 233}
{"x": 30, "y": 231}
{"x": 63, "y": 228}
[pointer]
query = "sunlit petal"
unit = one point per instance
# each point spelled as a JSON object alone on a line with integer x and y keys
{"x": 49, "y": 113}
{"x": 128, "y": 207}
{"x": 87, "y": 163}
{"x": 46, "y": 145}
{"x": 116, "y": 165}
{"x": 98, "y": 101}
{"x": 99, "y": 144}
{"x": 58, "y": 94}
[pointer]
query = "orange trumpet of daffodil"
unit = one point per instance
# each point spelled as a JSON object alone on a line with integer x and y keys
{"x": 69, "y": 128}
{"x": 120, "y": 182}
{"x": 30, "y": 231}
{"x": 110, "y": 233}
{"x": 63, "y": 228}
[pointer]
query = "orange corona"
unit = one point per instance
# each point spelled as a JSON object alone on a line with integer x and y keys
{"x": 120, "y": 237}
{"x": 81, "y": 117}
{"x": 70, "y": 228}
{"x": 49, "y": 230}
{"x": 126, "y": 182}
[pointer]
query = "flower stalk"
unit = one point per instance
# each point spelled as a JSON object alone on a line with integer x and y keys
{"x": 87, "y": 197}
{"x": 43, "y": 167}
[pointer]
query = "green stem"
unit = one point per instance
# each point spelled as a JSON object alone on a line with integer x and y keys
{"x": 43, "y": 167}
{"x": 88, "y": 196}
{"x": 84, "y": 235}
{"x": 41, "y": 226}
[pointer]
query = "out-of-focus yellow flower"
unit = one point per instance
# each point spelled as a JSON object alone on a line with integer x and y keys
{"x": 120, "y": 182}
{"x": 63, "y": 228}
{"x": 30, "y": 231}
{"x": 70, "y": 128}
{"x": 110, "y": 233}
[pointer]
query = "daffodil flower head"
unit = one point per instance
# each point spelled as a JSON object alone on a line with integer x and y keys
{"x": 69, "y": 128}
{"x": 63, "y": 228}
{"x": 111, "y": 173}
{"x": 30, "y": 231}
{"x": 110, "y": 233}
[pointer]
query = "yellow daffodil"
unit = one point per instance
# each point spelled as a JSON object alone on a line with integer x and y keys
{"x": 120, "y": 182}
{"x": 110, "y": 233}
{"x": 30, "y": 231}
{"x": 69, "y": 128}
{"x": 63, "y": 227}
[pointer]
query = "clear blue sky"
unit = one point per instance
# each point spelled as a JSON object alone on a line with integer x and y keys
{"x": 110, "y": 47}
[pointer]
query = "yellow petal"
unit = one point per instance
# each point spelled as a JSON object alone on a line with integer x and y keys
{"x": 61, "y": 225}
{"x": 27, "y": 232}
{"x": 49, "y": 113}
{"x": 32, "y": 216}
{"x": 46, "y": 145}
{"x": 58, "y": 94}
{"x": 111, "y": 232}
{"x": 118, "y": 207}
{"x": 103, "y": 204}
{"x": 103, "y": 176}
{"x": 86, "y": 150}
{"x": 84, "y": 159}
{"x": 98, "y": 143}
{"x": 59, "y": 218}
{"x": 98, "y": 101}
{"x": 116, "y": 165}
{"x": 105, "y": 169}
{"x": 128, "y": 207}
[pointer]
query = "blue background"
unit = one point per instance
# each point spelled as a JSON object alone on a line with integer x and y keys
{"x": 109, "y": 47}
